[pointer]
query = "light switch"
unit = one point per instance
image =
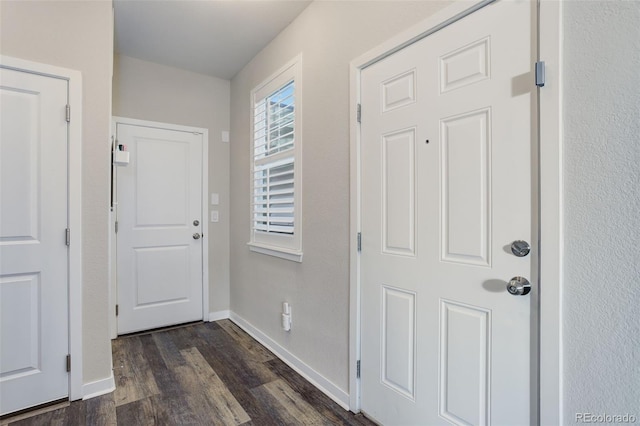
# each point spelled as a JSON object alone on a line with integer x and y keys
{"x": 225, "y": 137}
{"x": 215, "y": 199}
{"x": 215, "y": 216}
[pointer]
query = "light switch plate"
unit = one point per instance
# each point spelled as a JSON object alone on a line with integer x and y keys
{"x": 225, "y": 137}
{"x": 215, "y": 216}
{"x": 215, "y": 199}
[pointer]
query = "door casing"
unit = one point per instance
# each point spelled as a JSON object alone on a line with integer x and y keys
{"x": 549, "y": 197}
{"x": 113, "y": 324}
{"x": 74, "y": 207}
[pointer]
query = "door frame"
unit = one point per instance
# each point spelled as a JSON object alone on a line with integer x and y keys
{"x": 204, "y": 197}
{"x": 74, "y": 205}
{"x": 549, "y": 386}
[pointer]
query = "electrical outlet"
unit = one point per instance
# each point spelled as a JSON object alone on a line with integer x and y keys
{"x": 215, "y": 216}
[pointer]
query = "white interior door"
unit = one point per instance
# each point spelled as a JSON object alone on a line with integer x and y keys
{"x": 159, "y": 239}
{"x": 34, "y": 339}
{"x": 448, "y": 131}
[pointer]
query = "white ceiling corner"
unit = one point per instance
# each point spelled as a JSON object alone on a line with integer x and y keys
{"x": 213, "y": 37}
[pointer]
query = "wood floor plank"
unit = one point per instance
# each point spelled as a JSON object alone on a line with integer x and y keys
{"x": 292, "y": 403}
{"x": 187, "y": 337}
{"x": 143, "y": 412}
{"x": 321, "y": 402}
{"x": 243, "y": 364}
{"x": 183, "y": 412}
{"x": 133, "y": 375}
{"x": 259, "y": 413}
{"x": 76, "y": 412}
{"x": 168, "y": 349}
{"x": 164, "y": 376}
{"x": 203, "y": 385}
{"x": 158, "y": 410}
{"x": 257, "y": 351}
{"x": 99, "y": 411}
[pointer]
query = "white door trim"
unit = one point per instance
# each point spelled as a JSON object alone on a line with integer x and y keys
{"x": 205, "y": 216}
{"x": 551, "y": 216}
{"x": 74, "y": 79}
{"x": 550, "y": 197}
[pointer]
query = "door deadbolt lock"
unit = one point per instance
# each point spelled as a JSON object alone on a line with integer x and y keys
{"x": 196, "y": 222}
{"x": 520, "y": 248}
{"x": 196, "y": 236}
{"x": 519, "y": 286}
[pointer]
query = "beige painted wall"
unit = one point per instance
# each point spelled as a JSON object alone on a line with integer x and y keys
{"x": 329, "y": 35}
{"x": 148, "y": 91}
{"x": 78, "y": 35}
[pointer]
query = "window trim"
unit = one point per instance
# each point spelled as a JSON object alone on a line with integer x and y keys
{"x": 284, "y": 246}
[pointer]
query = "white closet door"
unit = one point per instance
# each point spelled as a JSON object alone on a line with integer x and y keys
{"x": 34, "y": 312}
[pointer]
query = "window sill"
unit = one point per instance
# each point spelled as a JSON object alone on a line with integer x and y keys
{"x": 283, "y": 253}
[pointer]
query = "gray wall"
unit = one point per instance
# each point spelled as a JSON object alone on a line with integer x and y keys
{"x": 149, "y": 91}
{"x": 79, "y": 36}
{"x": 329, "y": 35}
{"x": 602, "y": 208}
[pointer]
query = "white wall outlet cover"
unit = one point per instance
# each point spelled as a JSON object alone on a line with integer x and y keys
{"x": 215, "y": 199}
{"x": 286, "y": 322}
{"x": 215, "y": 216}
{"x": 225, "y": 136}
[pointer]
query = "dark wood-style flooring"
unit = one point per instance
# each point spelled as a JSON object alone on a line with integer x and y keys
{"x": 203, "y": 374}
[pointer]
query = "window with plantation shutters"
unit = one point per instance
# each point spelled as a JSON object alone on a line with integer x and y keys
{"x": 274, "y": 163}
{"x": 275, "y": 198}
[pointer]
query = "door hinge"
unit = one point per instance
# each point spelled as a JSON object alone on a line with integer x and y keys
{"x": 68, "y": 363}
{"x": 359, "y": 113}
{"x": 67, "y": 236}
{"x": 117, "y": 309}
{"x": 68, "y": 113}
{"x": 116, "y": 226}
{"x": 359, "y": 241}
{"x": 358, "y": 369}
{"x": 540, "y": 74}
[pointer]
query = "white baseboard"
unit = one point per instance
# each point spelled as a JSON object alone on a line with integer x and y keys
{"x": 99, "y": 387}
{"x": 322, "y": 383}
{"x": 219, "y": 315}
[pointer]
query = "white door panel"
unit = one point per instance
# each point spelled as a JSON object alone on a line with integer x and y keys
{"x": 159, "y": 198}
{"x": 33, "y": 254}
{"x": 447, "y": 140}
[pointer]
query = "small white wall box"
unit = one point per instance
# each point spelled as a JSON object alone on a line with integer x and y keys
{"x": 121, "y": 156}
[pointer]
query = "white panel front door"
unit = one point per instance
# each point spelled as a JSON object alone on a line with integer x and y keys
{"x": 159, "y": 248}
{"x": 447, "y": 140}
{"x": 34, "y": 313}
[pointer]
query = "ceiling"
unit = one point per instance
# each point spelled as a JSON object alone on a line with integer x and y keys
{"x": 213, "y": 37}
